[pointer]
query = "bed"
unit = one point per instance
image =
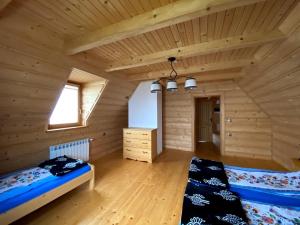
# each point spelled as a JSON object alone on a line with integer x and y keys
{"x": 199, "y": 207}
{"x": 274, "y": 187}
{"x": 279, "y": 188}
{"x": 267, "y": 197}
{"x": 35, "y": 188}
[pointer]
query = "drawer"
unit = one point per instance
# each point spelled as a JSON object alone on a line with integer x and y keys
{"x": 137, "y": 154}
{"x": 137, "y": 143}
{"x": 137, "y": 151}
{"x": 137, "y": 134}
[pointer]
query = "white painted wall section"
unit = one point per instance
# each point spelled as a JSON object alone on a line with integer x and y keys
{"x": 145, "y": 110}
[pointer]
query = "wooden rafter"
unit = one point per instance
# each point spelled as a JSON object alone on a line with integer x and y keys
{"x": 174, "y": 13}
{"x": 192, "y": 69}
{"x": 199, "y": 49}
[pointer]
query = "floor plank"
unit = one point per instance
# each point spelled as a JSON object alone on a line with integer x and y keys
{"x": 131, "y": 192}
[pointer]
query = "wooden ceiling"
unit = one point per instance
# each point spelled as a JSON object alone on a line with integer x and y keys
{"x": 135, "y": 37}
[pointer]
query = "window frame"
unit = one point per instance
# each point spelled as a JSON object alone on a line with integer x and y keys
{"x": 69, "y": 125}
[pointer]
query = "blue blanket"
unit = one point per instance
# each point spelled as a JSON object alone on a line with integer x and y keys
{"x": 20, "y": 195}
{"x": 287, "y": 183}
{"x": 272, "y": 187}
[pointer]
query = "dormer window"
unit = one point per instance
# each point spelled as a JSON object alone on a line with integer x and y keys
{"x": 67, "y": 111}
{"x": 76, "y": 101}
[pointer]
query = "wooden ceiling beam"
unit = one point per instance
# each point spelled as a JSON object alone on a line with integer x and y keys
{"x": 205, "y": 48}
{"x": 174, "y": 13}
{"x": 192, "y": 69}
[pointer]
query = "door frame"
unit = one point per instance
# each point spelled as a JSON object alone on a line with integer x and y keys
{"x": 222, "y": 119}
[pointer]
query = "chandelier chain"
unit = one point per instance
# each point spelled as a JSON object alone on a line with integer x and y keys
{"x": 173, "y": 77}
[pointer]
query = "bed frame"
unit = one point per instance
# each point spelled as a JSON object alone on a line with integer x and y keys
{"x": 30, "y": 206}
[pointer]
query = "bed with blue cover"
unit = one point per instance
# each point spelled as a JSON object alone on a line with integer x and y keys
{"x": 240, "y": 195}
{"x": 25, "y": 186}
{"x": 274, "y": 187}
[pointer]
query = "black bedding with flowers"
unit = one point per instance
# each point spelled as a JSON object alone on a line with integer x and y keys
{"x": 62, "y": 165}
{"x": 207, "y": 205}
{"x": 207, "y": 199}
{"x": 208, "y": 172}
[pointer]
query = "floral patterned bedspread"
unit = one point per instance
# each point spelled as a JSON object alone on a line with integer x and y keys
{"x": 23, "y": 178}
{"x": 289, "y": 181}
{"x": 263, "y": 214}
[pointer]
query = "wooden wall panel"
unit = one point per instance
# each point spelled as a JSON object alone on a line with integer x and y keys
{"x": 248, "y": 122}
{"x": 33, "y": 71}
{"x": 274, "y": 85}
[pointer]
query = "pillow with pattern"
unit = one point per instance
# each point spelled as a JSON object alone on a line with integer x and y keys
{"x": 62, "y": 165}
{"x": 208, "y": 172}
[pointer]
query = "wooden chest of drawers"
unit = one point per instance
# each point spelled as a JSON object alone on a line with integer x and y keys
{"x": 139, "y": 144}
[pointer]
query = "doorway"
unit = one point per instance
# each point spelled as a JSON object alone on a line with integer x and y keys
{"x": 207, "y": 125}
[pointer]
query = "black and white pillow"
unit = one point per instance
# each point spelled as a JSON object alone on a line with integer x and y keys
{"x": 208, "y": 172}
{"x": 62, "y": 165}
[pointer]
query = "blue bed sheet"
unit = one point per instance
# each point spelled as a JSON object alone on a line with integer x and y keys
{"x": 266, "y": 196}
{"x": 271, "y": 187}
{"x": 38, "y": 188}
{"x": 18, "y": 190}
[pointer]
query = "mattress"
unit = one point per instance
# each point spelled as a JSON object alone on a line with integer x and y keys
{"x": 266, "y": 214}
{"x": 20, "y": 195}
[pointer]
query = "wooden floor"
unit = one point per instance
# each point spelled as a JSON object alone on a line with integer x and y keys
{"x": 130, "y": 192}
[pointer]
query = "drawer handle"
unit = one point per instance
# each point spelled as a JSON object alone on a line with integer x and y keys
{"x": 128, "y": 150}
{"x": 145, "y": 134}
{"x": 128, "y": 141}
{"x": 145, "y": 152}
{"x": 144, "y": 143}
{"x": 128, "y": 133}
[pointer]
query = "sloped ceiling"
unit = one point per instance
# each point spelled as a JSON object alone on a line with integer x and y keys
{"x": 71, "y": 19}
{"x": 274, "y": 84}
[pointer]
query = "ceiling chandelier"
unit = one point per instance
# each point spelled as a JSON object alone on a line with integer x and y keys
{"x": 190, "y": 82}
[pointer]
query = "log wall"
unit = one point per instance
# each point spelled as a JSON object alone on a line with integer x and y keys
{"x": 33, "y": 70}
{"x": 274, "y": 85}
{"x": 244, "y": 120}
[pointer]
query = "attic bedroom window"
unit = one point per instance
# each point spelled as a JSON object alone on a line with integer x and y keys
{"x": 77, "y": 101}
{"x": 67, "y": 111}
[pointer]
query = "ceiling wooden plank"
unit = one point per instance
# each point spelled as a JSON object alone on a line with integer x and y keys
{"x": 292, "y": 22}
{"x": 199, "y": 49}
{"x": 164, "y": 16}
{"x": 192, "y": 69}
{"x": 4, "y": 3}
{"x": 213, "y": 77}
